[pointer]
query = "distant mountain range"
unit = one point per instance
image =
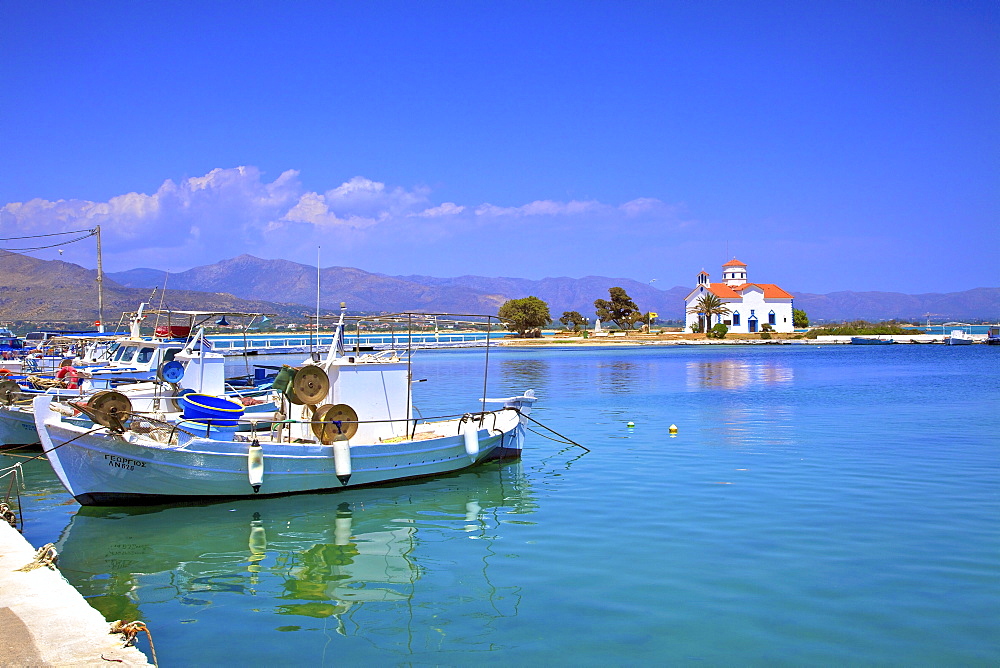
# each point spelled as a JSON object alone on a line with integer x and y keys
{"x": 38, "y": 289}
{"x": 43, "y": 291}
{"x": 282, "y": 280}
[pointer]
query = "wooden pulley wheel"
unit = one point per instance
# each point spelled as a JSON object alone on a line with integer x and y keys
{"x": 309, "y": 386}
{"x": 334, "y": 422}
{"x": 9, "y": 392}
{"x": 109, "y": 409}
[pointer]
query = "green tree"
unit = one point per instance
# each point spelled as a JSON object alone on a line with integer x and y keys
{"x": 799, "y": 319}
{"x": 719, "y": 331}
{"x": 620, "y": 309}
{"x": 525, "y": 316}
{"x": 708, "y": 306}
{"x": 572, "y": 318}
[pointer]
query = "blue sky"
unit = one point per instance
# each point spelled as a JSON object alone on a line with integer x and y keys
{"x": 830, "y": 145}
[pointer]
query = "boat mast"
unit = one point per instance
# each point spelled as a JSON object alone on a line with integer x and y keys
{"x": 317, "y": 295}
{"x": 100, "y": 283}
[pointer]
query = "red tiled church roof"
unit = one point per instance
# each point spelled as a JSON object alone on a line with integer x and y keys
{"x": 723, "y": 291}
{"x": 735, "y": 263}
{"x": 771, "y": 291}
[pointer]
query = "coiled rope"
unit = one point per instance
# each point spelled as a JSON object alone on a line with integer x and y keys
{"x": 46, "y": 556}
{"x": 15, "y": 473}
{"x": 130, "y": 630}
{"x": 7, "y": 515}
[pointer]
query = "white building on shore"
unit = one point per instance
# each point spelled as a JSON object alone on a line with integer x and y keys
{"x": 751, "y": 305}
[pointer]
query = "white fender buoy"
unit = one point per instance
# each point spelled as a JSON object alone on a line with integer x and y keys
{"x": 471, "y": 439}
{"x": 342, "y": 460}
{"x": 255, "y": 466}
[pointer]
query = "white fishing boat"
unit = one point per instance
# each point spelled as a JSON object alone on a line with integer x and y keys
{"x": 349, "y": 422}
{"x": 960, "y": 337}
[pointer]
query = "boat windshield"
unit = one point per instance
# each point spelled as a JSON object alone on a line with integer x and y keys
{"x": 145, "y": 354}
{"x": 125, "y": 353}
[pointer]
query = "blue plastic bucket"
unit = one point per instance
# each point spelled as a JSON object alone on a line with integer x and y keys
{"x": 221, "y": 411}
{"x": 202, "y": 429}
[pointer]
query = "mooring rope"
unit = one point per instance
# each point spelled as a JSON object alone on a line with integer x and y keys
{"x": 566, "y": 439}
{"x": 7, "y": 515}
{"x": 130, "y": 630}
{"x": 46, "y": 556}
{"x": 16, "y": 473}
{"x": 60, "y": 445}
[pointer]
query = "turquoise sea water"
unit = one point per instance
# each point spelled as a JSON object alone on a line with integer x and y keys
{"x": 835, "y": 505}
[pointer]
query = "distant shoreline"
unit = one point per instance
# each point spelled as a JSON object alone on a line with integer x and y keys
{"x": 682, "y": 339}
{"x": 637, "y": 339}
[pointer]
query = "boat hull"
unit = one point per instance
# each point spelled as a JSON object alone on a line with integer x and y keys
{"x": 102, "y": 468}
{"x": 17, "y": 428}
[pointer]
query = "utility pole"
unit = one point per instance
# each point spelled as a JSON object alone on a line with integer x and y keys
{"x": 100, "y": 283}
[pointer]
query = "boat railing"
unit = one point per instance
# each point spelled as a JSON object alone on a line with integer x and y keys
{"x": 269, "y": 423}
{"x": 230, "y": 342}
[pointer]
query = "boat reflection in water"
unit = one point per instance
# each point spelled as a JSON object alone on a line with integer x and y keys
{"x": 306, "y": 556}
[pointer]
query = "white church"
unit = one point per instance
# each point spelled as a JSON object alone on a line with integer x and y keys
{"x": 751, "y": 305}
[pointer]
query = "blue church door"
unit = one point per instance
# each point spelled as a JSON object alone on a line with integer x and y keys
{"x": 752, "y": 324}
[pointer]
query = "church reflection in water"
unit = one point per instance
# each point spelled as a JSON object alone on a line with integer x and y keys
{"x": 747, "y": 413}
{"x": 312, "y": 556}
{"x": 737, "y": 374}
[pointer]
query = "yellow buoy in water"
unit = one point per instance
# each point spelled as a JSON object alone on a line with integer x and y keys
{"x": 673, "y": 429}
{"x": 630, "y": 425}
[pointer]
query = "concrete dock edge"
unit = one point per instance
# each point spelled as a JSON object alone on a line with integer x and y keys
{"x": 44, "y": 621}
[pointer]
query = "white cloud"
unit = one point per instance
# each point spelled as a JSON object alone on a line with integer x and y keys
{"x": 643, "y": 205}
{"x": 444, "y": 209}
{"x": 203, "y": 219}
{"x": 544, "y": 208}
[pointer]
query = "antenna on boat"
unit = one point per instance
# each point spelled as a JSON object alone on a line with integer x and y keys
{"x": 317, "y": 292}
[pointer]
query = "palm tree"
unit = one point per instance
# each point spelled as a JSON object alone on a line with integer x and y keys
{"x": 708, "y": 305}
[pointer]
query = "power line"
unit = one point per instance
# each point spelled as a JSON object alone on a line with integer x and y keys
{"x": 51, "y": 234}
{"x": 89, "y": 233}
